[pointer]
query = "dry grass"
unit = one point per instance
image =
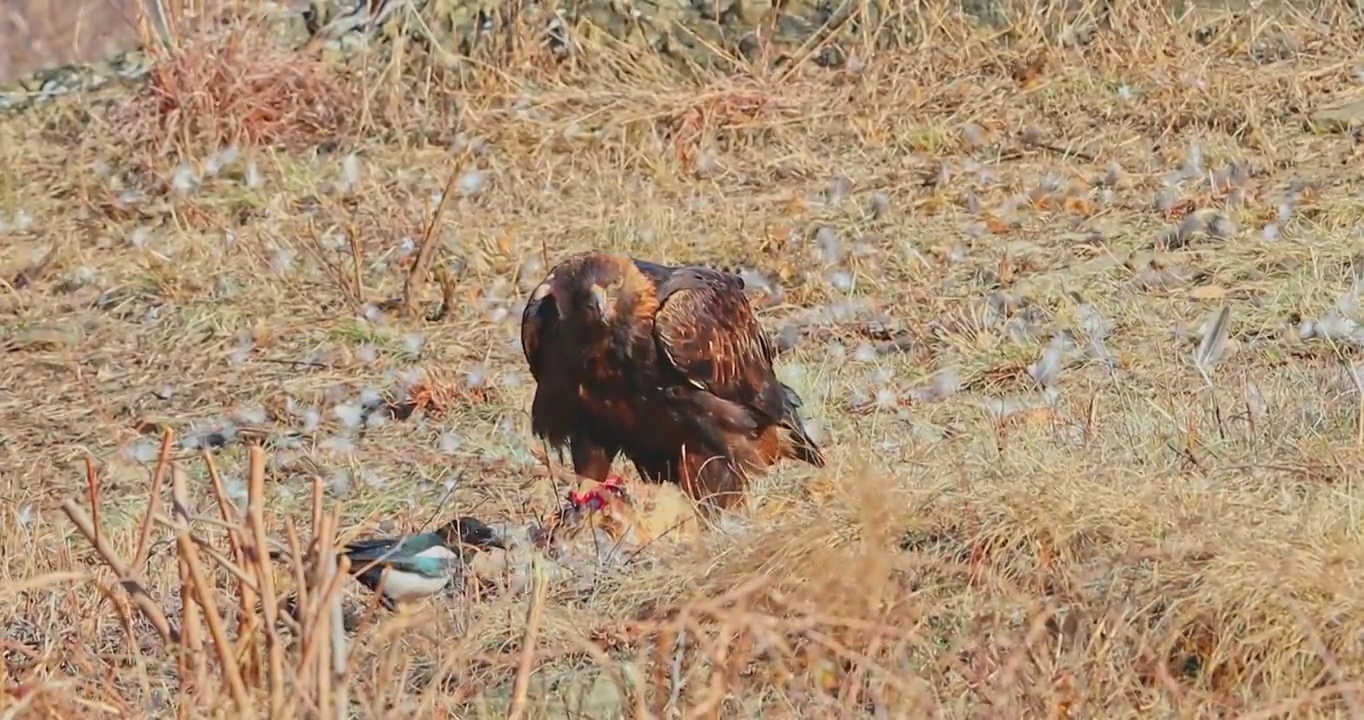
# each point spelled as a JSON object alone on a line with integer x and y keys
{"x": 1170, "y": 528}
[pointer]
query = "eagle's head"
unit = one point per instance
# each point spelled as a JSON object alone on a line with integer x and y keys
{"x": 589, "y": 290}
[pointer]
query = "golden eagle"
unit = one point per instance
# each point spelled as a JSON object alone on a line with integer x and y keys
{"x": 665, "y": 365}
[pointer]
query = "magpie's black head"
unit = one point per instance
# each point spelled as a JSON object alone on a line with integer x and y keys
{"x": 472, "y": 532}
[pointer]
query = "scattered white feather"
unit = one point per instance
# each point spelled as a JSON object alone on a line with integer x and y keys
{"x": 240, "y": 354}
{"x": 793, "y": 373}
{"x": 414, "y": 342}
{"x": 143, "y": 450}
{"x": 531, "y": 273}
{"x": 282, "y": 260}
{"x": 842, "y": 281}
{"x": 1221, "y": 227}
{"x": 352, "y": 416}
{"x": 450, "y": 443}
{"x": 373, "y": 478}
{"x": 219, "y": 161}
{"x": 85, "y": 275}
{"x": 366, "y": 353}
{"x": 410, "y": 377}
{"x": 139, "y": 237}
{"x": 337, "y": 444}
{"x": 376, "y": 419}
{"x": 1332, "y": 326}
{"x": 1256, "y": 405}
{"x": 828, "y": 248}
{"x": 252, "y": 175}
{"x": 887, "y": 399}
{"x": 450, "y": 482}
{"x": 339, "y": 483}
{"x": 1165, "y": 199}
{"x": 252, "y": 416}
{"x": 840, "y": 187}
{"x": 1348, "y": 302}
{"x": 371, "y": 398}
{"x": 942, "y": 385}
{"x": 706, "y": 163}
{"x": 311, "y": 418}
{"x": 1047, "y": 370}
{"x": 1212, "y": 346}
{"x": 859, "y": 397}
{"x": 183, "y": 179}
{"x": 880, "y": 205}
{"x": 470, "y": 183}
{"x": 350, "y": 172}
{"x": 866, "y": 352}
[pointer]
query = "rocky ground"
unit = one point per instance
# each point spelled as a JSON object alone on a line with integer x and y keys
{"x": 1074, "y": 307}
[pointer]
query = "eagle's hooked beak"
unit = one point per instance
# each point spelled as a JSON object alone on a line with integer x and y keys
{"x": 601, "y": 303}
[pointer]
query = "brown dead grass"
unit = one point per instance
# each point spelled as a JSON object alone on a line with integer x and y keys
{"x": 243, "y": 89}
{"x": 1153, "y": 542}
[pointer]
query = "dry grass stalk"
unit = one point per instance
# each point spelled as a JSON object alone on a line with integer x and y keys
{"x": 244, "y": 558}
{"x": 315, "y": 665}
{"x": 322, "y": 665}
{"x": 205, "y": 592}
{"x": 128, "y": 578}
{"x": 525, "y": 666}
{"x": 426, "y": 248}
{"x": 225, "y": 82}
{"x": 191, "y": 660}
{"x": 144, "y": 536}
{"x": 259, "y": 555}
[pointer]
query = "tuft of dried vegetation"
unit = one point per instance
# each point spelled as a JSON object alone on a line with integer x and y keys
{"x": 238, "y": 86}
{"x": 1076, "y": 318}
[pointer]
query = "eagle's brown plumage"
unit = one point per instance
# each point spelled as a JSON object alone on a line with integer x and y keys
{"x": 665, "y": 365}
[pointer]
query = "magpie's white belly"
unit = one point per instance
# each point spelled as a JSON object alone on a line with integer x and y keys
{"x": 403, "y": 586}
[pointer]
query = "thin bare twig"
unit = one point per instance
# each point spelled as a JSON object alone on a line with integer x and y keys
{"x": 417, "y": 275}
{"x": 130, "y": 581}
{"x": 529, "y": 638}
{"x": 191, "y": 661}
{"x": 205, "y": 592}
{"x": 144, "y": 537}
{"x": 265, "y": 575}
